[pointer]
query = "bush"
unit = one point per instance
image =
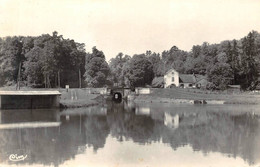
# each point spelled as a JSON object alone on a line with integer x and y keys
{"x": 211, "y": 86}
{"x": 158, "y": 82}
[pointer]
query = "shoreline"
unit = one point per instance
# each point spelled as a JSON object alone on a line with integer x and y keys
{"x": 80, "y": 98}
{"x": 182, "y": 96}
{"x": 193, "y": 101}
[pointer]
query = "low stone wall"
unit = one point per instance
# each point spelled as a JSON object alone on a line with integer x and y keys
{"x": 142, "y": 91}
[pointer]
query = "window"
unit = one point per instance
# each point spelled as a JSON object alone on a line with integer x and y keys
{"x": 172, "y": 79}
{"x": 172, "y": 73}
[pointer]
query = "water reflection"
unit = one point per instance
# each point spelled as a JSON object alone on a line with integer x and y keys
{"x": 171, "y": 121}
{"x": 231, "y": 131}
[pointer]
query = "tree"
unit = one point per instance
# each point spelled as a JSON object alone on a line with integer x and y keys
{"x": 174, "y": 58}
{"x": 116, "y": 66}
{"x": 235, "y": 65}
{"x": 52, "y": 59}
{"x": 220, "y": 75}
{"x": 11, "y": 56}
{"x": 139, "y": 72}
{"x": 33, "y": 66}
{"x": 96, "y": 68}
{"x": 157, "y": 63}
{"x": 248, "y": 61}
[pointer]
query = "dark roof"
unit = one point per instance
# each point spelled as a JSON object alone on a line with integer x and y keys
{"x": 199, "y": 77}
{"x": 187, "y": 78}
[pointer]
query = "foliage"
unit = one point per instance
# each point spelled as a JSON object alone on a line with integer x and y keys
{"x": 42, "y": 58}
{"x": 158, "y": 82}
{"x": 116, "y": 66}
{"x": 139, "y": 72}
{"x": 157, "y": 63}
{"x": 220, "y": 75}
{"x": 96, "y": 68}
{"x": 11, "y": 54}
{"x": 174, "y": 58}
{"x": 249, "y": 65}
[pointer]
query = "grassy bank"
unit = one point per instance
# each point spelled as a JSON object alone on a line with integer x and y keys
{"x": 178, "y": 95}
{"x": 76, "y": 98}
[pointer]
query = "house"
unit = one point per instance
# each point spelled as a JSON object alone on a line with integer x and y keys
{"x": 234, "y": 89}
{"x": 173, "y": 78}
{"x": 187, "y": 80}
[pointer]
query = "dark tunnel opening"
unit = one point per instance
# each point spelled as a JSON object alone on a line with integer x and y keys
{"x": 117, "y": 97}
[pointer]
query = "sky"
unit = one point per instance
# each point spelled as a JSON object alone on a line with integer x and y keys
{"x": 132, "y": 26}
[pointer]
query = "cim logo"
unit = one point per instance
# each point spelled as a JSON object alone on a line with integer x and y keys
{"x": 16, "y": 158}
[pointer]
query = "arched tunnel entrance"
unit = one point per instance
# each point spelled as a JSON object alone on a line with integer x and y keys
{"x": 117, "y": 97}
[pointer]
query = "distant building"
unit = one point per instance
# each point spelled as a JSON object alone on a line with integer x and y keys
{"x": 173, "y": 78}
{"x": 233, "y": 88}
{"x": 201, "y": 81}
{"x": 29, "y": 99}
{"x": 187, "y": 81}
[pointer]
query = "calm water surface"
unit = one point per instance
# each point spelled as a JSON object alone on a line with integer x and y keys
{"x": 132, "y": 135}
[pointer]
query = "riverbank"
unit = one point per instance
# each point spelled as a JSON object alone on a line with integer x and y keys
{"x": 185, "y": 96}
{"x": 76, "y": 98}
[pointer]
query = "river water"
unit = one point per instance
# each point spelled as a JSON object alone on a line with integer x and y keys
{"x": 127, "y": 134}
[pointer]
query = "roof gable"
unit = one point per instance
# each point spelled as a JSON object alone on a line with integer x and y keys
{"x": 200, "y": 78}
{"x": 171, "y": 70}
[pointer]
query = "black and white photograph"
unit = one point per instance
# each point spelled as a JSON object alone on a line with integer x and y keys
{"x": 129, "y": 83}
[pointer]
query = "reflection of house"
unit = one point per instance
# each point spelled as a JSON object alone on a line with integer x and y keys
{"x": 173, "y": 78}
{"x": 171, "y": 121}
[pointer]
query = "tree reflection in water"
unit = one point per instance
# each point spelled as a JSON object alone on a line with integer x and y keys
{"x": 203, "y": 128}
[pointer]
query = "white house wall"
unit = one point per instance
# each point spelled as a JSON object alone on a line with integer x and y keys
{"x": 168, "y": 78}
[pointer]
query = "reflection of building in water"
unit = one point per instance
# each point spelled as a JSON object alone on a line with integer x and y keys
{"x": 171, "y": 121}
{"x": 142, "y": 111}
{"x": 206, "y": 131}
{"x": 27, "y": 115}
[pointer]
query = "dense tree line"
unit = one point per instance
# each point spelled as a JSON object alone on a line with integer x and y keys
{"x": 44, "y": 61}
{"x": 229, "y": 62}
{"x": 52, "y": 61}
